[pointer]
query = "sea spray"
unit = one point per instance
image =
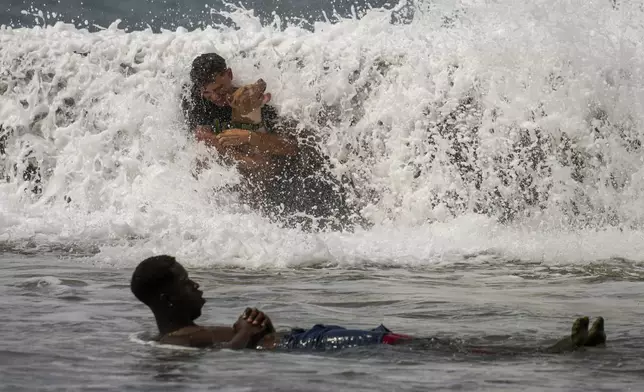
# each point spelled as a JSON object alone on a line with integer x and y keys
{"x": 471, "y": 127}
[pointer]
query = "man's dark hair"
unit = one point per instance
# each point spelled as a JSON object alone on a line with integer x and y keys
{"x": 205, "y": 67}
{"x": 150, "y": 276}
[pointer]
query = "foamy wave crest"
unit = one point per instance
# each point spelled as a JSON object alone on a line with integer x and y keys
{"x": 467, "y": 128}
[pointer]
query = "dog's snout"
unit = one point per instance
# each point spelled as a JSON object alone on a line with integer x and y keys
{"x": 261, "y": 84}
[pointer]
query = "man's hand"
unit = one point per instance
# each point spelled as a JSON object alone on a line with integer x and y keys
{"x": 205, "y": 134}
{"x": 234, "y": 137}
{"x": 226, "y": 142}
{"x": 265, "y": 143}
{"x": 257, "y": 317}
{"x": 250, "y": 328}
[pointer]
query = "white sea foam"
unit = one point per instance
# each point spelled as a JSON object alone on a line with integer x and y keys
{"x": 548, "y": 68}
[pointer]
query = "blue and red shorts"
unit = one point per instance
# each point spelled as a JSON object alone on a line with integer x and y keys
{"x": 331, "y": 337}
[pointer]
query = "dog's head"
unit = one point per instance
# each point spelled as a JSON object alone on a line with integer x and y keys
{"x": 250, "y": 97}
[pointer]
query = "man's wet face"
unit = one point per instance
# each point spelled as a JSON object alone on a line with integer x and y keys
{"x": 218, "y": 92}
{"x": 187, "y": 296}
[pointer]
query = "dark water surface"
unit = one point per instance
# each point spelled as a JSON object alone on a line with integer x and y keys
{"x": 73, "y": 325}
{"x": 167, "y": 14}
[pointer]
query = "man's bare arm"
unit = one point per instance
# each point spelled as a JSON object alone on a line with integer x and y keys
{"x": 200, "y": 337}
{"x": 274, "y": 144}
{"x": 250, "y": 327}
{"x": 264, "y": 143}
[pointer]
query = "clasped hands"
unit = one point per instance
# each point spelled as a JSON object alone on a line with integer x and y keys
{"x": 235, "y": 145}
{"x": 254, "y": 325}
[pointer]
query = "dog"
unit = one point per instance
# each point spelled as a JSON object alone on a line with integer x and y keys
{"x": 247, "y": 102}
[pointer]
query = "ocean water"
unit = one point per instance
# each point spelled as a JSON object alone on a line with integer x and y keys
{"x": 70, "y": 325}
{"x": 495, "y": 147}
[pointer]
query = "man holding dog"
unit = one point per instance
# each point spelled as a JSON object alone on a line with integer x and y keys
{"x": 282, "y": 178}
{"x": 209, "y": 114}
